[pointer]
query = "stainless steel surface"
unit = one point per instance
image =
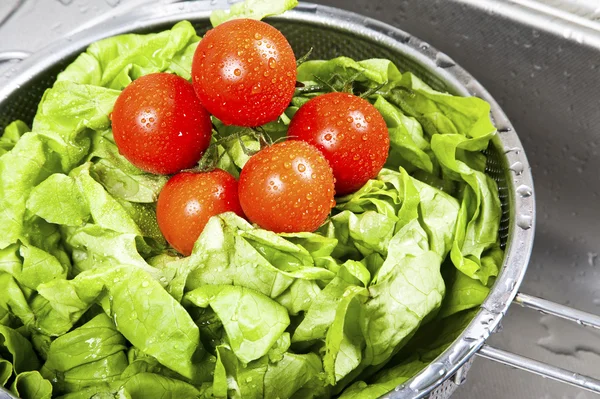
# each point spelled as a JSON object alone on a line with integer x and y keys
{"x": 544, "y": 71}
{"x": 545, "y": 370}
{"x": 4, "y": 394}
{"x": 541, "y": 63}
{"x": 565, "y": 312}
{"x": 542, "y": 369}
{"x": 333, "y": 32}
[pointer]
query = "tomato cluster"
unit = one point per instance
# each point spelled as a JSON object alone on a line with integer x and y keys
{"x": 244, "y": 74}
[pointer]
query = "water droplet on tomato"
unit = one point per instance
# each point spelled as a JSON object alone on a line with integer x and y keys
{"x": 301, "y": 168}
{"x": 365, "y": 137}
{"x": 148, "y": 125}
{"x": 309, "y": 196}
{"x": 328, "y": 137}
{"x": 151, "y": 119}
{"x": 237, "y": 72}
{"x": 257, "y": 36}
{"x": 272, "y": 63}
{"x": 266, "y": 74}
{"x": 143, "y": 120}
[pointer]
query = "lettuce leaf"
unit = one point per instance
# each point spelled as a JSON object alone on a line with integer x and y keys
{"x": 117, "y": 61}
{"x": 142, "y": 311}
{"x": 253, "y": 322}
{"x": 92, "y": 353}
{"x": 31, "y": 385}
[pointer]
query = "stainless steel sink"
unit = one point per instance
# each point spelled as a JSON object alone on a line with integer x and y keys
{"x": 541, "y": 61}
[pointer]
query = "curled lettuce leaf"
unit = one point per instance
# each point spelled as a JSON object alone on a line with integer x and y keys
{"x": 253, "y": 322}
{"x": 91, "y": 354}
{"x": 117, "y": 61}
{"x": 142, "y": 311}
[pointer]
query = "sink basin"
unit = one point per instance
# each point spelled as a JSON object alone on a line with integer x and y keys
{"x": 541, "y": 61}
{"x": 542, "y": 64}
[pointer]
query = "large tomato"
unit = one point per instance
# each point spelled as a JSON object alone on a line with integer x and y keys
{"x": 188, "y": 200}
{"x": 287, "y": 187}
{"x": 159, "y": 124}
{"x": 349, "y": 131}
{"x": 244, "y": 72}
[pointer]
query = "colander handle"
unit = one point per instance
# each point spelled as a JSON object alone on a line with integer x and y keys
{"x": 543, "y": 369}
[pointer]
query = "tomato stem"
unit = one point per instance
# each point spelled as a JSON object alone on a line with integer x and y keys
{"x": 304, "y": 58}
{"x": 310, "y": 89}
{"x": 373, "y": 90}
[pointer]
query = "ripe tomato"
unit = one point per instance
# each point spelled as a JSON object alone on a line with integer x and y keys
{"x": 159, "y": 124}
{"x": 244, "y": 72}
{"x": 188, "y": 200}
{"x": 349, "y": 131}
{"x": 287, "y": 187}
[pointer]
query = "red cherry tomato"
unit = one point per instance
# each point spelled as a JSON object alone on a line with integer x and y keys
{"x": 287, "y": 187}
{"x": 349, "y": 131}
{"x": 159, "y": 124}
{"x": 244, "y": 72}
{"x": 189, "y": 200}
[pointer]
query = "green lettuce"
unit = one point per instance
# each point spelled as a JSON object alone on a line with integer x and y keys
{"x": 92, "y": 353}
{"x": 115, "y": 62}
{"x": 31, "y": 385}
{"x": 252, "y": 321}
{"x": 94, "y": 303}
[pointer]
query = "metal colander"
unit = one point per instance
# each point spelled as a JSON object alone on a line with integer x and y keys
{"x": 331, "y": 33}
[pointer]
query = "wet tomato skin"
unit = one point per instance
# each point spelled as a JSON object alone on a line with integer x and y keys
{"x": 287, "y": 187}
{"x": 351, "y": 134}
{"x": 159, "y": 124}
{"x": 244, "y": 72}
{"x": 189, "y": 200}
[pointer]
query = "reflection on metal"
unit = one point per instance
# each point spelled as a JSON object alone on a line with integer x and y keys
{"x": 11, "y": 11}
{"x": 544, "y": 306}
{"x": 427, "y": 61}
{"x": 13, "y": 55}
{"x": 539, "y": 368}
